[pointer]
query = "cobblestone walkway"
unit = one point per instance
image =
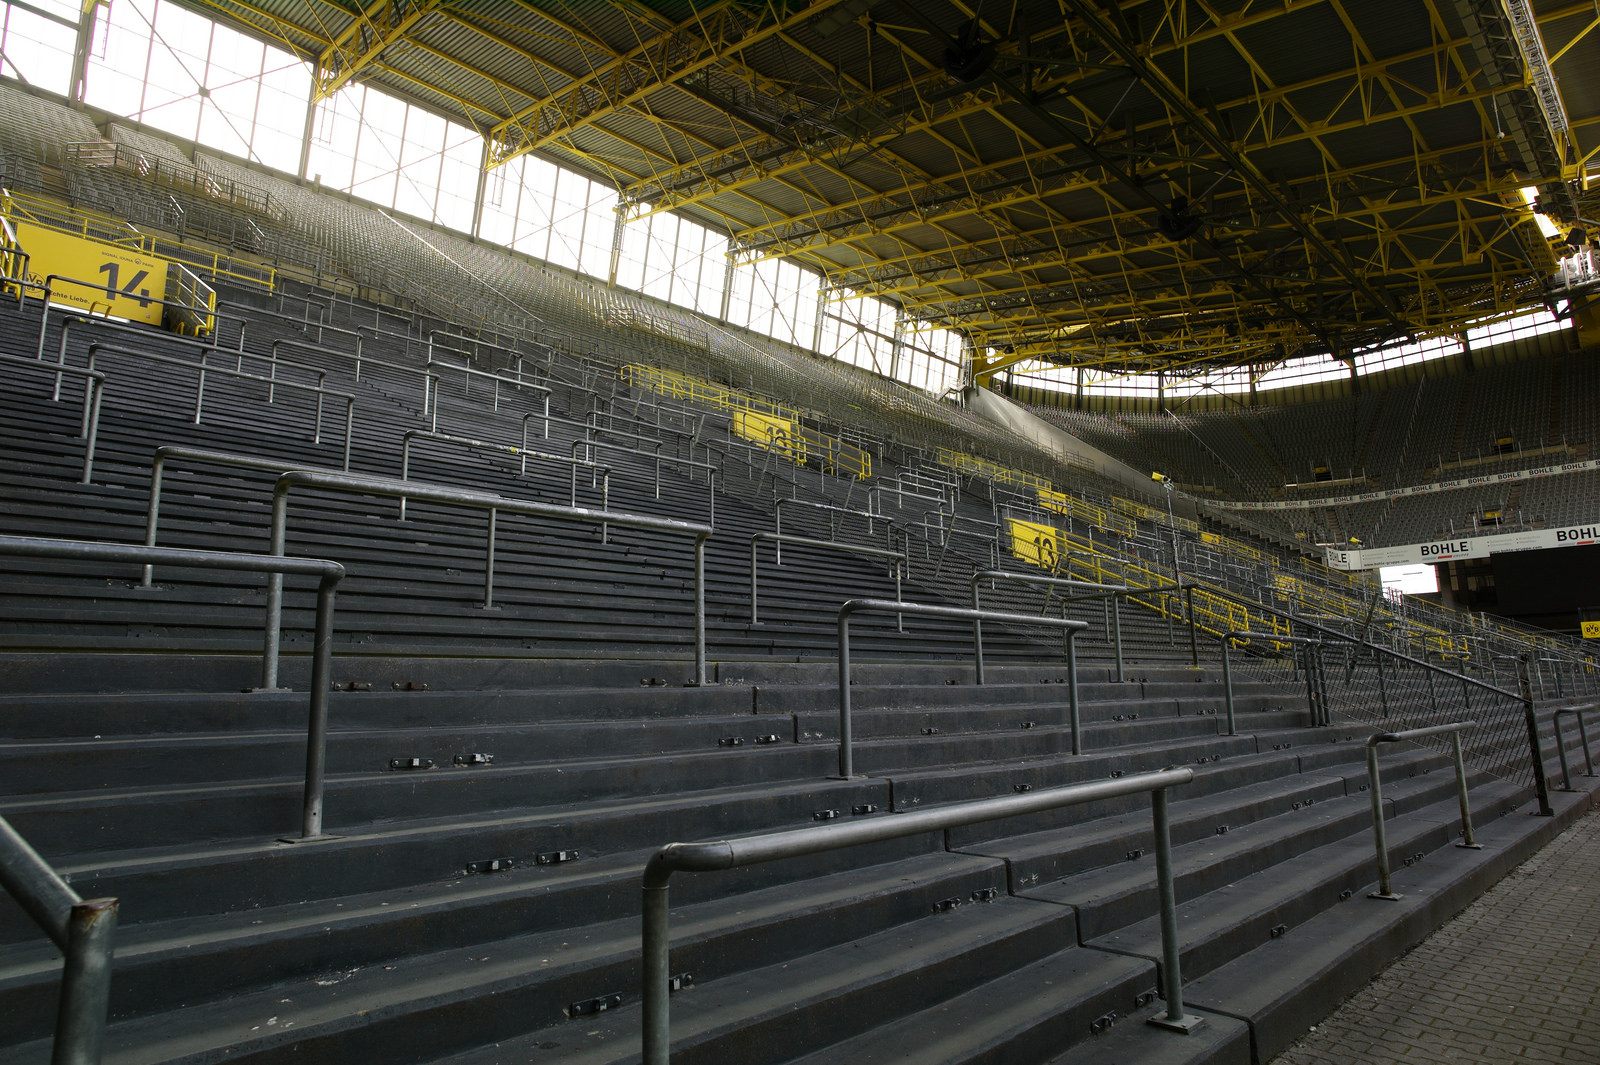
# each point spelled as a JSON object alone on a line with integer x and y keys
{"x": 1515, "y": 978}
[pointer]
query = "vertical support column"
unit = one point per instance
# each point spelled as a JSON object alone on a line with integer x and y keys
{"x": 1173, "y": 1017}
{"x": 846, "y": 755}
{"x": 1072, "y": 691}
{"x": 483, "y": 188}
{"x": 85, "y": 983}
{"x": 82, "y": 48}
{"x": 1541, "y": 786}
{"x": 1380, "y": 838}
{"x": 656, "y": 949}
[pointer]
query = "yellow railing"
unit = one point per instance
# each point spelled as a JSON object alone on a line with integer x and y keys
{"x": 1061, "y": 553}
{"x": 677, "y": 385}
{"x": 981, "y": 467}
{"x": 770, "y": 425}
{"x": 214, "y": 263}
{"x": 1074, "y": 507}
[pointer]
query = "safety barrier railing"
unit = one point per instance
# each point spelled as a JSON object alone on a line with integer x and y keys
{"x": 1507, "y": 740}
{"x": 872, "y": 519}
{"x": 468, "y": 373}
{"x": 203, "y": 349}
{"x": 93, "y": 391}
{"x": 898, "y": 557}
{"x": 853, "y": 607}
{"x": 493, "y": 505}
{"x": 1316, "y": 687}
{"x": 219, "y": 264}
{"x": 83, "y": 930}
{"x": 276, "y": 566}
{"x": 478, "y": 343}
{"x": 430, "y": 381}
{"x": 170, "y": 455}
{"x": 876, "y": 493}
{"x": 589, "y": 445}
{"x": 1110, "y": 594}
{"x": 523, "y": 454}
{"x": 1375, "y": 793}
{"x": 800, "y": 842}
{"x": 201, "y": 371}
{"x": 196, "y": 300}
{"x": 685, "y": 438}
{"x": 1583, "y": 739}
{"x": 303, "y": 321}
{"x": 141, "y": 332}
{"x": 50, "y": 286}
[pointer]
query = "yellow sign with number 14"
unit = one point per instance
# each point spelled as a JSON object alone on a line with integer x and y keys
{"x": 119, "y": 281}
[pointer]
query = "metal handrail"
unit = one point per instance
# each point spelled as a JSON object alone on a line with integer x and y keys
{"x": 1315, "y": 703}
{"x": 49, "y": 290}
{"x": 777, "y": 522}
{"x": 430, "y": 381}
{"x": 328, "y": 575}
{"x": 515, "y": 382}
{"x": 168, "y": 454}
{"x": 1583, "y": 738}
{"x": 523, "y": 453}
{"x": 205, "y": 350}
{"x": 93, "y": 391}
{"x": 494, "y": 504}
{"x": 799, "y": 842}
{"x": 853, "y": 607}
{"x": 1524, "y": 694}
{"x": 876, "y": 491}
{"x": 901, "y": 562}
{"x": 200, "y": 388}
{"x": 475, "y": 341}
{"x": 1113, "y": 593}
{"x": 1375, "y": 790}
{"x": 83, "y": 930}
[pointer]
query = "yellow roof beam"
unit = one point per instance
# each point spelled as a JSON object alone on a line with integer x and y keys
{"x": 378, "y": 26}
{"x": 688, "y": 46}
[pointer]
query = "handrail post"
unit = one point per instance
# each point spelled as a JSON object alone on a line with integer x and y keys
{"x": 85, "y": 983}
{"x": 1194, "y": 637}
{"x": 700, "y": 678}
{"x": 1116, "y": 635}
{"x": 1380, "y": 837}
{"x": 656, "y": 960}
{"x": 1561, "y": 745}
{"x": 1227, "y": 680}
{"x": 1072, "y": 691}
{"x": 1467, "y": 840}
{"x": 488, "y": 560}
{"x": 317, "y": 730}
{"x": 1174, "y": 1018}
{"x": 1530, "y": 718}
{"x": 977, "y": 633}
{"x": 755, "y": 587}
{"x": 846, "y": 754}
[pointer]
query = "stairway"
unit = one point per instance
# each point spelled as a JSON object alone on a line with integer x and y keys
{"x": 498, "y": 777}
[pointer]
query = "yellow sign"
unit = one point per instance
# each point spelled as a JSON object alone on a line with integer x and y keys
{"x": 1038, "y": 545}
{"x": 119, "y": 281}
{"x": 1591, "y": 630}
{"x": 772, "y": 433}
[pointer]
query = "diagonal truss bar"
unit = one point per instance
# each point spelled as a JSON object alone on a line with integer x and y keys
{"x": 375, "y": 28}
{"x": 1180, "y": 104}
{"x": 685, "y": 48}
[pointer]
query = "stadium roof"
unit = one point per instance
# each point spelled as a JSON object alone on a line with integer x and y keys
{"x": 1161, "y": 183}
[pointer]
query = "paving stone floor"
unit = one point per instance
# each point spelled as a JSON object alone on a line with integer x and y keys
{"x": 1514, "y": 978}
